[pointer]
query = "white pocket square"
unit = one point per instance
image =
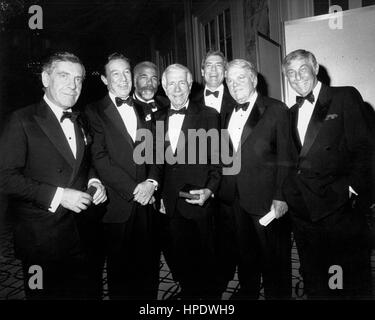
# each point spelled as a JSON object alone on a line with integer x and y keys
{"x": 331, "y": 116}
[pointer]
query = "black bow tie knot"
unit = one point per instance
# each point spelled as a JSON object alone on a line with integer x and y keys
{"x": 300, "y": 100}
{"x": 171, "y": 112}
{"x": 243, "y": 106}
{"x": 70, "y": 115}
{"x": 215, "y": 93}
{"x": 120, "y": 102}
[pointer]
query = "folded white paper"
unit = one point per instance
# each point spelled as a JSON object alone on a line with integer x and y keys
{"x": 265, "y": 220}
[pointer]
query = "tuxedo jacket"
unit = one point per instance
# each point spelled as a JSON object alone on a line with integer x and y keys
{"x": 227, "y": 104}
{"x": 264, "y": 155}
{"x": 202, "y": 174}
{"x": 36, "y": 159}
{"x": 335, "y": 153}
{"x": 112, "y": 156}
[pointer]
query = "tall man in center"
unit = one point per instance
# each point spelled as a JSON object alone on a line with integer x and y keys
{"x": 188, "y": 225}
{"x": 258, "y": 135}
{"x": 132, "y": 252}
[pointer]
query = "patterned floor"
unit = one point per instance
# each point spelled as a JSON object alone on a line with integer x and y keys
{"x": 11, "y": 286}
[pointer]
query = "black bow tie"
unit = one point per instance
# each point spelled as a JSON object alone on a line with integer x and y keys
{"x": 300, "y": 100}
{"x": 70, "y": 115}
{"x": 215, "y": 93}
{"x": 242, "y": 106}
{"x": 171, "y": 112}
{"x": 120, "y": 102}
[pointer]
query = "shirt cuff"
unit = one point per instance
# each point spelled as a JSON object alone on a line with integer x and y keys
{"x": 352, "y": 191}
{"x": 154, "y": 182}
{"x": 56, "y": 200}
{"x": 93, "y": 180}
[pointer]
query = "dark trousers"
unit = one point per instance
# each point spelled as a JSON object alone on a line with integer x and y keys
{"x": 339, "y": 239}
{"x": 225, "y": 242}
{"x": 263, "y": 253}
{"x": 188, "y": 250}
{"x": 133, "y": 257}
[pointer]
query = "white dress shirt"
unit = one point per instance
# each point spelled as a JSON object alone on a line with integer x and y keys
{"x": 305, "y": 112}
{"x": 237, "y": 121}
{"x": 128, "y": 116}
{"x": 211, "y": 100}
{"x": 174, "y": 126}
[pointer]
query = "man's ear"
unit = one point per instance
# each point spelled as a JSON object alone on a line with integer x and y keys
{"x": 316, "y": 69}
{"x": 45, "y": 79}
{"x": 104, "y": 79}
{"x": 202, "y": 72}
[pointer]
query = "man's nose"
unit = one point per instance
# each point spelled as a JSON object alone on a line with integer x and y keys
{"x": 72, "y": 83}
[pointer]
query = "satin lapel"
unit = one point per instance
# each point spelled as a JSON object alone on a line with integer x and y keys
{"x": 294, "y": 130}
{"x": 115, "y": 117}
{"x": 254, "y": 117}
{"x": 317, "y": 120}
{"x": 139, "y": 113}
{"x": 227, "y": 104}
{"x": 80, "y": 139}
{"x": 225, "y": 135}
{"x": 51, "y": 127}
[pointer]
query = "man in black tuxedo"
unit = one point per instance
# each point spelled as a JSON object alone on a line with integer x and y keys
{"x": 45, "y": 169}
{"x": 146, "y": 82}
{"x": 182, "y": 162}
{"x": 331, "y": 153}
{"x": 132, "y": 252}
{"x": 215, "y": 93}
{"x": 258, "y": 137}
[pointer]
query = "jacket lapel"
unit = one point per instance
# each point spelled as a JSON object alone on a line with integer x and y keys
{"x": 294, "y": 130}
{"x": 115, "y": 117}
{"x": 254, "y": 117}
{"x": 317, "y": 119}
{"x": 51, "y": 127}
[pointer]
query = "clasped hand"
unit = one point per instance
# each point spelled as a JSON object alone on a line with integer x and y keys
{"x": 143, "y": 192}
{"x": 204, "y": 194}
{"x": 77, "y": 201}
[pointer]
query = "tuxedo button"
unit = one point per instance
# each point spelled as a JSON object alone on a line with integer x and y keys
{"x": 299, "y": 171}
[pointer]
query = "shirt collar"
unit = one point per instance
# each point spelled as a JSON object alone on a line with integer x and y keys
{"x": 58, "y": 111}
{"x": 185, "y": 105}
{"x": 251, "y": 102}
{"x": 316, "y": 90}
{"x": 113, "y": 97}
{"x": 135, "y": 96}
{"x": 219, "y": 88}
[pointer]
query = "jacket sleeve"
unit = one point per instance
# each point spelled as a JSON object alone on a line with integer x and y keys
{"x": 357, "y": 138}
{"x": 283, "y": 150}
{"x": 13, "y": 161}
{"x": 108, "y": 171}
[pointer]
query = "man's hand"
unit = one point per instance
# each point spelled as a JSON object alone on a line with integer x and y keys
{"x": 75, "y": 200}
{"x": 204, "y": 194}
{"x": 143, "y": 192}
{"x": 100, "y": 195}
{"x": 280, "y": 208}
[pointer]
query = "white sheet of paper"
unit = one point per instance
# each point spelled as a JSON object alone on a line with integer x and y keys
{"x": 265, "y": 220}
